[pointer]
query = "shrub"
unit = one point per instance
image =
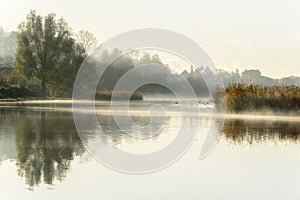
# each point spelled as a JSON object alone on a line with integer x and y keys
{"x": 17, "y": 92}
{"x": 120, "y": 95}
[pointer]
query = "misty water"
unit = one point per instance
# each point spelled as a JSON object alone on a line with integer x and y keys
{"x": 42, "y": 157}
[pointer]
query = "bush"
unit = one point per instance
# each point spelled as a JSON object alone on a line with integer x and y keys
{"x": 17, "y": 92}
{"x": 121, "y": 95}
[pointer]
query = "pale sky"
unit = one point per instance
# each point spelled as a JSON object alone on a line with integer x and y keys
{"x": 240, "y": 34}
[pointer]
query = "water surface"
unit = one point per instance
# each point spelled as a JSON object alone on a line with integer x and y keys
{"x": 42, "y": 157}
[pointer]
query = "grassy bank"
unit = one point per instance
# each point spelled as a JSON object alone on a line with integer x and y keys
{"x": 241, "y": 98}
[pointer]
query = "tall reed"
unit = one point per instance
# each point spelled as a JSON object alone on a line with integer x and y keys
{"x": 242, "y": 97}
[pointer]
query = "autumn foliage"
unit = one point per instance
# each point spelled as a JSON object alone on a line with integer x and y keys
{"x": 242, "y": 97}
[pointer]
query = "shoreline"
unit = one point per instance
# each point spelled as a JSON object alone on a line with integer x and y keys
{"x": 265, "y": 116}
{"x": 262, "y": 117}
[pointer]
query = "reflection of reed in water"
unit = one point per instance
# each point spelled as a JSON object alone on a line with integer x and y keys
{"x": 260, "y": 132}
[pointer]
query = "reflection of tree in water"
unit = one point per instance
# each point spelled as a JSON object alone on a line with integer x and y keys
{"x": 46, "y": 143}
{"x": 259, "y": 132}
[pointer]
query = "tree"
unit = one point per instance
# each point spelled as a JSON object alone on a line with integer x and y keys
{"x": 8, "y": 45}
{"x": 84, "y": 44}
{"x": 86, "y": 40}
{"x": 62, "y": 84}
{"x": 45, "y": 47}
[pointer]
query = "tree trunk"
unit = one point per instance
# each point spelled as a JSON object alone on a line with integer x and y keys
{"x": 44, "y": 88}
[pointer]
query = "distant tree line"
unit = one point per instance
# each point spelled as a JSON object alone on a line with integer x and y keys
{"x": 254, "y": 76}
{"x": 163, "y": 75}
{"x": 43, "y": 57}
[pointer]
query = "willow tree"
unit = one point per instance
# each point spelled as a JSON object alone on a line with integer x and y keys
{"x": 45, "y": 47}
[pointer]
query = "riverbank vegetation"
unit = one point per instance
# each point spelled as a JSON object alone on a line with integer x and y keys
{"x": 48, "y": 54}
{"x": 121, "y": 95}
{"x": 244, "y": 98}
{"x": 42, "y": 58}
{"x": 45, "y": 55}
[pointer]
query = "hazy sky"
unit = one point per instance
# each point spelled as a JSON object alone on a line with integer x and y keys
{"x": 235, "y": 33}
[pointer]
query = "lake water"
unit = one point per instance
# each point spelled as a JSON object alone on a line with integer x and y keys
{"x": 42, "y": 157}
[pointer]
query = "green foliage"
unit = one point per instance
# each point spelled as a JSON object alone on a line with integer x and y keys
{"x": 17, "y": 92}
{"x": 12, "y": 87}
{"x": 47, "y": 51}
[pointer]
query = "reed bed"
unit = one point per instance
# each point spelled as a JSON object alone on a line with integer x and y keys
{"x": 242, "y": 97}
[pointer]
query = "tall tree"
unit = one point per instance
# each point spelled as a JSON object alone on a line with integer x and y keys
{"x": 84, "y": 44}
{"x": 45, "y": 47}
{"x": 86, "y": 40}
